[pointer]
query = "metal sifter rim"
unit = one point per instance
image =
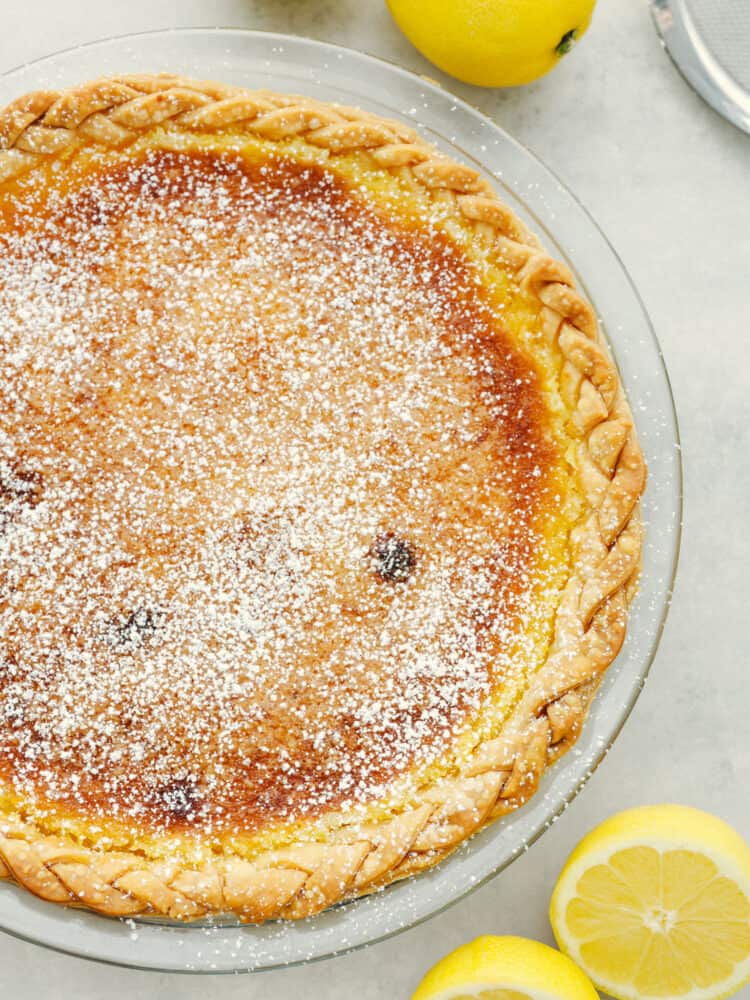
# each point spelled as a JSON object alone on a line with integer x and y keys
{"x": 694, "y": 59}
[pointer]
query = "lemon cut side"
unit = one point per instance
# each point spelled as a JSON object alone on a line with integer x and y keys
{"x": 655, "y": 902}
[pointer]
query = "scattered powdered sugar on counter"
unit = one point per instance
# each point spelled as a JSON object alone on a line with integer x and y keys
{"x": 268, "y": 476}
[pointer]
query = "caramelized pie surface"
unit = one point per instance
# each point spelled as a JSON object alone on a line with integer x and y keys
{"x": 319, "y": 501}
{"x": 276, "y": 487}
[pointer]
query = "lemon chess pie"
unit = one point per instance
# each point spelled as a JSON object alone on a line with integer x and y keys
{"x": 318, "y": 501}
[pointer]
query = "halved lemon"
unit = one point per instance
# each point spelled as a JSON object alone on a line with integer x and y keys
{"x": 655, "y": 902}
{"x": 505, "y": 968}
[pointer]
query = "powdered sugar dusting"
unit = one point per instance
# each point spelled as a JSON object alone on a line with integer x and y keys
{"x": 268, "y": 483}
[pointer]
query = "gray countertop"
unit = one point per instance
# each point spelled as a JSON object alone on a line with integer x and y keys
{"x": 669, "y": 182}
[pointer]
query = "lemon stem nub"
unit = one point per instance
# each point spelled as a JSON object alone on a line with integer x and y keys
{"x": 567, "y": 42}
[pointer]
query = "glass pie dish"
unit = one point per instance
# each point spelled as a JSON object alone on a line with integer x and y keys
{"x": 281, "y": 63}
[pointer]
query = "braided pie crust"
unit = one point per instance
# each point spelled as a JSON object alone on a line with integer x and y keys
{"x": 349, "y": 856}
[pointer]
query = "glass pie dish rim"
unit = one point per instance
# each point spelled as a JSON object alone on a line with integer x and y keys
{"x": 127, "y": 956}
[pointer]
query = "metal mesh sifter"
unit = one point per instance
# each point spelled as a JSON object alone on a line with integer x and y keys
{"x": 709, "y": 41}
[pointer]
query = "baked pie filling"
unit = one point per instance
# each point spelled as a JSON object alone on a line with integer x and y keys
{"x": 291, "y": 493}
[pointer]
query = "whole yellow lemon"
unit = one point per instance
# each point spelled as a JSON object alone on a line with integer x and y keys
{"x": 493, "y": 43}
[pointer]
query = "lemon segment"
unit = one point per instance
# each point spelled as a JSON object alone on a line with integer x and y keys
{"x": 655, "y": 902}
{"x": 505, "y": 968}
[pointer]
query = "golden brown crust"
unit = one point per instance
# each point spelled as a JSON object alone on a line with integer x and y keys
{"x": 606, "y": 544}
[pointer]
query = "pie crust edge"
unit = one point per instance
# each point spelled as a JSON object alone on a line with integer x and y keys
{"x": 502, "y": 773}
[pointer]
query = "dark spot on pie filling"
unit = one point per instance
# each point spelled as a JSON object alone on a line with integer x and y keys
{"x": 8, "y": 665}
{"x": 18, "y": 488}
{"x": 394, "y": 558}
{"x": 138, "y": 628}
{"x": 180, "y": 799}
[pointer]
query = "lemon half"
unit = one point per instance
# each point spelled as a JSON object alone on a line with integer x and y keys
{"x": 505, "y": 968}
{"x": 655, "y": 902}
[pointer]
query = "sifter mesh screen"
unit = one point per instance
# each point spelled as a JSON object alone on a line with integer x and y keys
{"x": 724, "y": 26}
